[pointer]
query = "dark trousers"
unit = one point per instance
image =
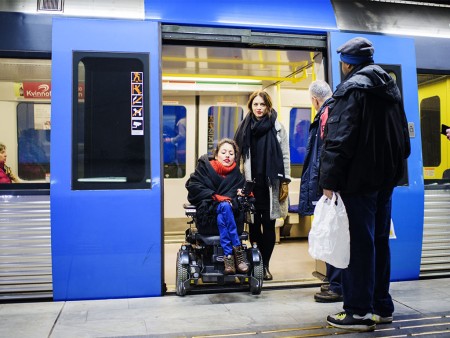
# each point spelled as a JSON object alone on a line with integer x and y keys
{"x": 365, "y": 283}
{"x": 262, "y": 231}
{"x": 227, "y": 228}
{"x": 334, "y": 278}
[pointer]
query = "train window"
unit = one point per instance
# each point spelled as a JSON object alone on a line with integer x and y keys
{"x": 222, "y": 122}
{"x": 111, "y": 147}
{"x": 33, "y": 133}
{"x": 174, "y": 137}
{"x": 430, "y": 113}
{"x": 300, "y": 120}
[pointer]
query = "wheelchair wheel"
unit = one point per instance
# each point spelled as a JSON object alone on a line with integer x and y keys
{"x": 256, "y": 282}
{"x": 181, "y": 277}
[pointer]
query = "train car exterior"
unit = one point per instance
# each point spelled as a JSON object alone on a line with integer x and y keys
{"x": 105, "y": 222}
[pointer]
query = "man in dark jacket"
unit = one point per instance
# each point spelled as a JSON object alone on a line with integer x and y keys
{"x": 320, "y": 94}
{"x": 363, "y": 158}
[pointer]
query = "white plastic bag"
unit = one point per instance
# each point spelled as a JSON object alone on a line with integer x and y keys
{"x": 329, "y": 237}
{"x": 392, "y": 234}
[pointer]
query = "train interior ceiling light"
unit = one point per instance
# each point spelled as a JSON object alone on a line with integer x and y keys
{"x": 204, "y": 83}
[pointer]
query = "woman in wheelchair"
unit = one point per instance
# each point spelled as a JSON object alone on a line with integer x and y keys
{"x": 213, "y": 188}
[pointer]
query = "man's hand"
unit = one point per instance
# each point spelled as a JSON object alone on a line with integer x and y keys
{"x": 328, "y": 193}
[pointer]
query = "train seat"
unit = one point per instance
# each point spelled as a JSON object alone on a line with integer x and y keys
{"x": 294, "y": 225}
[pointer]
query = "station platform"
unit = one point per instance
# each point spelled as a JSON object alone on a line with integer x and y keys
{"x": 422, "y": 308}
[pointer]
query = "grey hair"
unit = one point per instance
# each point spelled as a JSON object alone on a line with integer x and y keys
{"x": 320, "y": 89}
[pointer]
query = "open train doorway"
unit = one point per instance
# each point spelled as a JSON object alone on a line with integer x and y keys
{"x": 206, "y": 87}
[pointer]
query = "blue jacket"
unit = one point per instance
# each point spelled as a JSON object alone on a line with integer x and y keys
{"x": 309, "y": 186}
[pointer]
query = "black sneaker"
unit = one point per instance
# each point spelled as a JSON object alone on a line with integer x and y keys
{"x": 382, "y": 320}
{"x": 355, "y": 323}
{"x": 328, "y": 297}
{"x": 324, "y": 287}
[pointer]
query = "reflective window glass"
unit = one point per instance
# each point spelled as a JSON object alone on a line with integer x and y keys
{"x": 33, "y": 133}
{"x": 111, "y": 121}
{"x": 222, "y": 122}
{"x": 174, "y": 141}
{"x": 300, "y": 120}
{"x": 25, "y": 127}
{"x": 430, "y": 126}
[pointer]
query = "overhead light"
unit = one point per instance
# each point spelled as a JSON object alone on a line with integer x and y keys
{"x": 208, "y": 78}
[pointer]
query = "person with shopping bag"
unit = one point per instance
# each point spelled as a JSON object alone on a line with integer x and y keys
{"x": 320, "y": 94}
{"x": 366, "y": 143}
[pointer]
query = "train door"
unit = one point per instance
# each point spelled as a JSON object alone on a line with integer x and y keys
{"x": 105, "y": 189}
{"x": 397, "y": 56}
{"x": 216, "y": 81}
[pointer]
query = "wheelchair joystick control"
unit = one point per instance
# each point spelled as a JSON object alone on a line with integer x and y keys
{"x": 248, "y": 188}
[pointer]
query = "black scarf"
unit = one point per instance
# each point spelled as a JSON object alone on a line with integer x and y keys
{"x": 261, "y": 136}
{"x": 204, "y": 182}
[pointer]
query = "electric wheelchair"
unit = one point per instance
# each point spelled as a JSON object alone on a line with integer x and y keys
{"x": 200, "y": 258}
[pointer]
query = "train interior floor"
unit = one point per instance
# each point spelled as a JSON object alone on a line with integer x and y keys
{"x": 290, "y": 264}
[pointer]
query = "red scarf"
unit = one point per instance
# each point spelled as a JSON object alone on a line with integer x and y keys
{"x": 221, "y": 169}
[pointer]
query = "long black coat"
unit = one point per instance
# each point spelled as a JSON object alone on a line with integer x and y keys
{"x": 203, "y": 184}
{"x": 366, "y": 135}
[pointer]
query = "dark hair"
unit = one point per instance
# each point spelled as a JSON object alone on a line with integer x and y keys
{"x": 222, "y": 142}
{"x": 265, "y": 97}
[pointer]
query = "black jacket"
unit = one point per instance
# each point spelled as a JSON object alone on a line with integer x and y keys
{"x": 203, "y": 184}
{"x": 366, "y": 135}
{"x": 309, "y": 186}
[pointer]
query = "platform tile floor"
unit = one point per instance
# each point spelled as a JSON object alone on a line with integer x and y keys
{"x": 422, "y": 307}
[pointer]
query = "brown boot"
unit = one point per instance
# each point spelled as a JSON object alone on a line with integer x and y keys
{"x": 228, "y": 261}
{"x": 241, "y": 260}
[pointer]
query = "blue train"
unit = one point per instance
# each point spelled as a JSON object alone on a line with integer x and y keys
{"x": 105, "y": 109}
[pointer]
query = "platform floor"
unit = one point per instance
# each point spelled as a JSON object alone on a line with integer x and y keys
{"x": 421, "y": 308}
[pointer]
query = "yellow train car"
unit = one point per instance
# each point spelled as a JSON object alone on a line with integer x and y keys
{"x": 434, "y": 108}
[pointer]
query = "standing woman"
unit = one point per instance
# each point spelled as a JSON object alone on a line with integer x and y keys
{"x": 6, "y": 175}
{"x": 265, "y": 154}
